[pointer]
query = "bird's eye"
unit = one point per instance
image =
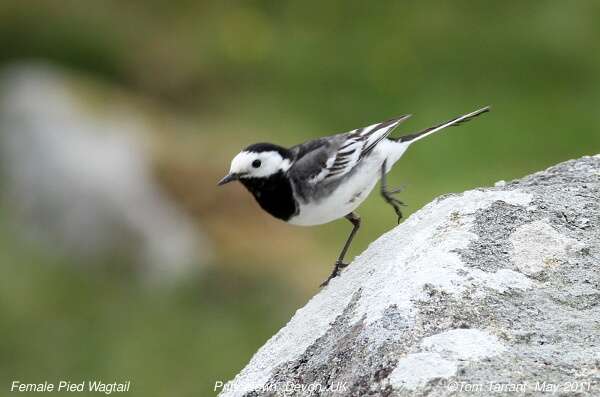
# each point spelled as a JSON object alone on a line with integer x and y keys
{"x": 256, "y": 163}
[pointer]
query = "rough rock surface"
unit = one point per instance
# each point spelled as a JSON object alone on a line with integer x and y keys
{"x": 492, "y": 291}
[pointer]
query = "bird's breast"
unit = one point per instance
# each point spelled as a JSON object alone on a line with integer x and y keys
{"x": 274, "y": 194}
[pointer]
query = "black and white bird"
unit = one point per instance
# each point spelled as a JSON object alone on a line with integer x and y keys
{"x": 325, "y": 179}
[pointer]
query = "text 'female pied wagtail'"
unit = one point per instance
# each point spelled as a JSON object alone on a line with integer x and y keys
{"x": 325, "y": 179}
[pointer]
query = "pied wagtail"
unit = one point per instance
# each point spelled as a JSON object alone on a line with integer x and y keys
{"x": 327, "y": 178}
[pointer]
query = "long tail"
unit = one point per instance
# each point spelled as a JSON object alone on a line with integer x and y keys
{"x": 450, "y": 123}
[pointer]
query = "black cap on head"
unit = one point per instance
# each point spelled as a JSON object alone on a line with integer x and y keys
{"x": 268, "y": 147}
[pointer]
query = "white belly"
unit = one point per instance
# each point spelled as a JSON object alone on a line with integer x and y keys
{"x": 345, "y": 199}
{"x": 340, "y": 204}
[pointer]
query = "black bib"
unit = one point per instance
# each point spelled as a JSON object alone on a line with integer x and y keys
{"x": 274, "y": 194}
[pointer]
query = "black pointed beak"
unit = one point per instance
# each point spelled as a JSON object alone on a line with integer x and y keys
{"x": 229, "y": 178}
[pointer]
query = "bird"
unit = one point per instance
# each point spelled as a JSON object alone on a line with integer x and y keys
{"x": 328, "y": 178}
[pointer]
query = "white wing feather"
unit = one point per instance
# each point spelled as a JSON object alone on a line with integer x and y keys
{"x": 357, "y": 145}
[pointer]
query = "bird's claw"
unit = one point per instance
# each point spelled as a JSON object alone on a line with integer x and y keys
{"x": 336, "y": 272}
{"x": 394, "y": 202}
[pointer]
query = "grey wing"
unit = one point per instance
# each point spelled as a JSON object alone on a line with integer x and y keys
{"x": 335, "y": 156}
{"x": 311, "y": 157}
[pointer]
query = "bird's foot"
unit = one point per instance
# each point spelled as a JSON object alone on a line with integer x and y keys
{"x": 388, "y": 196}
{"x": 336, "y": 272}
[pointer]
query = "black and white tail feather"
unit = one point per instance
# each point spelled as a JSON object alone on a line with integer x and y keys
{"x": 450, "y": 123}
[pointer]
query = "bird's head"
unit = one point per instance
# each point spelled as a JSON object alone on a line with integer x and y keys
{"x": 260, "y": 160}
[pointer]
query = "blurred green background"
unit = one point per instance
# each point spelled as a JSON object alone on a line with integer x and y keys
{"x": 210, "y": 77}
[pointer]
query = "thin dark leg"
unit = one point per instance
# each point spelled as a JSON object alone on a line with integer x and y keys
{"x": 339, "y": 264}
{"x": 388, "y": 194}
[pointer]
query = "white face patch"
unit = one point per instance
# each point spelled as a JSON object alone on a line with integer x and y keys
{"x": 257, "y": 165}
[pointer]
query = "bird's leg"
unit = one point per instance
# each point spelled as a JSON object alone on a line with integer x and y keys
{"x": 388, "y": 194}
{"x": 339, "y": 264}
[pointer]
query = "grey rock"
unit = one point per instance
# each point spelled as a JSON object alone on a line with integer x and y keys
{"x": 76, "y": 178}
{"x": 491, "y": 291}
